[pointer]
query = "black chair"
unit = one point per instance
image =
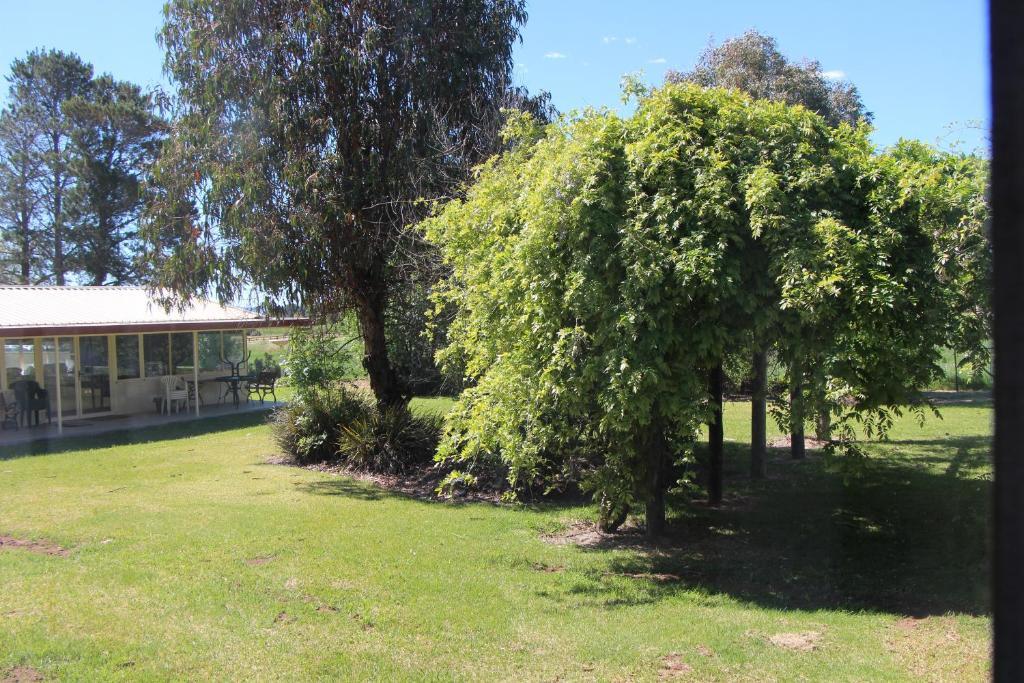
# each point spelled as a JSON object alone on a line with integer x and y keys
{"x": 31, "y": 399}
{"x": 8, "y": 412}
{"x": 262, "y": 385}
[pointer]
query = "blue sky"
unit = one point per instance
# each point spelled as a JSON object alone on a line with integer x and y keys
{"x": 921, "y": 65}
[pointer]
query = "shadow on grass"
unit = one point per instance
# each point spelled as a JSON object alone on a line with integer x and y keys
{"x": 174, "y": 430}
{"x": 888, "y": 534}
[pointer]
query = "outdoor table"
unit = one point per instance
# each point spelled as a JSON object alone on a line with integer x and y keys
{"x": 233, "y": 383}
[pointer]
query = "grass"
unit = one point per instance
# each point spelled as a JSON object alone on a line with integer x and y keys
{"x": 191, "y": 558}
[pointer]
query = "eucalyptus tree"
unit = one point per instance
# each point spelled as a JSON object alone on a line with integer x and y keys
{"x": 307, "y": 135}
{"x": 116, "y": 134}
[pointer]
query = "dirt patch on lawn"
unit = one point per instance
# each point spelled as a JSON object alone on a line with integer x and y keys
{"x": 673, "y": 666}
{"x": 810, "y": 443}
{"x": 587, "y": 535}
{"x": 801, "y": 642}
{"x": 22, "y": 674}
{"x": 259, "y": 560}
{"x": 41, "y": 547}
{"x": 934, "y": 649}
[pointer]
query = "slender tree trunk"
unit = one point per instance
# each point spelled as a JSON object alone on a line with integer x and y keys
{"x": 58, "y": 237}
{"x": 796, "y": 411}
{"x": 759, "y": 417}
{"x": 384, "y": 380}
{"x": 716, "y": 436}
{"x": 658, "y": 462}
{"x": 25, "y": 248}
{"x": 823, "y": 425}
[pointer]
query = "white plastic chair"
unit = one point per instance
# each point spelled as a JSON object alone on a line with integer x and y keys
{"x": 175, "y": 393}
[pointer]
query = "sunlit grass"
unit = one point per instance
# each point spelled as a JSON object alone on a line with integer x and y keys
{"x": 193, "y": 559}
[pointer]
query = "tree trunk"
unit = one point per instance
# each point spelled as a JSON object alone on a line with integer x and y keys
{"x": 796, "y": 411}
{"x": 25, "y": 247}
{"x": 823, "y": 425}
{"x": 384, "y": 382}
{"x": 716, "y": 436}
{"x": 58, "y": 236}
{"x": 759, "y": 417}
{"x": 658, "y": 463}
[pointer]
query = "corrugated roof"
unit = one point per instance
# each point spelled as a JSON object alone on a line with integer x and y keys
{"x": 24, "y": 307}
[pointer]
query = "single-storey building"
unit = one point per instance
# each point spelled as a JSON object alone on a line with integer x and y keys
{"x": 112, "y": 350}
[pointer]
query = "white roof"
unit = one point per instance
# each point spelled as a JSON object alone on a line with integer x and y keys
{"x": 27, "y": 310}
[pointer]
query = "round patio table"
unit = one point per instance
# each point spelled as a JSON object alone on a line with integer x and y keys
{"x": 233, "y": 383}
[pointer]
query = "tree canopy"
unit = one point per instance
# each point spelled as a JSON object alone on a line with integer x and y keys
{"x": 604, "y": 266}
{"x": 306, "y": 135}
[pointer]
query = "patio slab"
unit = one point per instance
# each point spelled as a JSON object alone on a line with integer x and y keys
{"x": 102, "y": 424}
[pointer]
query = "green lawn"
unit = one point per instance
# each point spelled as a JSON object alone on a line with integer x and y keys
{"x": 191, "y": 558}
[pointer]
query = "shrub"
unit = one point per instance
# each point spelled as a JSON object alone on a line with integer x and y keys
{"x": 389, "y": 439}
{"x": 308, "y": 427}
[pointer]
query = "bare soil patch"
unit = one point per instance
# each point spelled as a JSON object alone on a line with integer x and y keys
{"x": 259, "y": 560}
{"x": 22, "y": 674}
{"x": 810, "y": 443}
{"x": 673, "y": 666}
{"x": 802, "y": 642}
{"x": 587, "y": 535}
{"x": 41, "y": 547}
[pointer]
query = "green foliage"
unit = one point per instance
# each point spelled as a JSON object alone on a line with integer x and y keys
{"x": 308, "y": 428}
{"x": 319, "y": 356}
{"x": 389, "y": 439}
{"x": 602, "y": 269}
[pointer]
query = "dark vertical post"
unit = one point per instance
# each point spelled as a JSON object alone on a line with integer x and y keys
{"x": 716, "y": 436}
{"x": 1006, "y": 26}
{"x": 759, "y": 417}
{"x": 797, "y": 447}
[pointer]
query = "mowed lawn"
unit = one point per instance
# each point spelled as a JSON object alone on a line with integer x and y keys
{"x": 189, "y": 557}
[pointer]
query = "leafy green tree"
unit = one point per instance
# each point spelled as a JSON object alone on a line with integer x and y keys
{"x": 604, "y": 270}
{"x": 116, "y": 135}
{"x": 41, "y": 85}
{"x": 307, "y": 133}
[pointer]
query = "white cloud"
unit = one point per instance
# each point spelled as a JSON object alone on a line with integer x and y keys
{"x": 554, "y": 55}
{"x": 834, "y": 74}
{"x": 658, "y": 60}
{"x": 608, "y": 39}
{"x": 522, "y": 68}
{"x": 629, "y": 41}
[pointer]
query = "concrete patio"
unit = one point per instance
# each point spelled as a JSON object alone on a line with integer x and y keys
{"x": 102, "y": 424}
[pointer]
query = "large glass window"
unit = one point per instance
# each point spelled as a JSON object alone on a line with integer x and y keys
{"x": 156, "y": 350}
{"x": 209, "y": 351}
{"x": 19, "y": 359}
{"x": 128, "y": 366}
{"x": 181, "y": 353}
{"x": 234, "y": 343}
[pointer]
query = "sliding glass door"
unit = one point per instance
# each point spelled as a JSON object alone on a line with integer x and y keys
{"x": 59, "y": 365}
{"x": 94, "y": 378}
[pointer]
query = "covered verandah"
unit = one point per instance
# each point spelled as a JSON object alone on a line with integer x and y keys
{"x": 78, "y": 358}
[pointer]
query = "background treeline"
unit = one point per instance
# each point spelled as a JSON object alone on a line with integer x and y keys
{"x": 75, "y": 148}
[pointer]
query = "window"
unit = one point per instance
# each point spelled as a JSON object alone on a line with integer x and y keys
{"x": 19, "y": 359}
{"x": 234, "y": 344}
{"x": 128, "y": 366}
{"x": 181, "y": 353}
{"x": 209, "y": 350}
{"x": 156, "y": 349}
